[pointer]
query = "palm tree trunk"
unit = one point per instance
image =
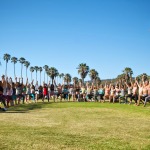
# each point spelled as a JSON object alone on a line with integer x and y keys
{"x": 6, "y": 70}
{"x": 44, "y": 76}
{"x": 14, "y": 71}
{"x": 26, "y": 73}
{"x": 6, "y": 74}
{"x": 21, "y": 69}
{"x": 31, "y": 76}
{"x": 82, "y": 81}
{"x": 40, "y": 78}
{"x": 36, "y": 76}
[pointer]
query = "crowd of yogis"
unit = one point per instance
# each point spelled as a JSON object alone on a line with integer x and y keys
{"x": 16, "y": 92}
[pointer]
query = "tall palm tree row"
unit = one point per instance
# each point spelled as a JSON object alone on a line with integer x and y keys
{"x": 22, "y": 61}
{"x": 26, "y": 64}
{"x": 83, "y": 70}
{"x": 6, "y": 57}
{"x": 14, "y": 61}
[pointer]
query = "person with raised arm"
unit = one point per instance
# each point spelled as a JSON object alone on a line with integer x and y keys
{"x": 2, "y": 98}
{"x": 32, "y": 94}
{"x": 9, "y": 92}
{"x": 36, "y": 91}
{"x": 19, "y": 90}
{"x": 134, "y": 92}
{"x": 148, "y": 93}
{"x": 4, "y": 84}
{"x": 122, "y": 93}
{"x": 89, "y": 92}
{"x": 28, "y": 91}
{"x": 95, "y": 92}
{"x": 45, "y": 92}
{"x": 83, "y": 93}
{"x": 101, "y": 92}
{"x": 117, "y": 92}
{"x": 140, "y": 91}
{"x": 107, "y": 91}
{"x": 112, "y": 93}
{"x": 59, "y": 94}
{"x": 129, "y": 92}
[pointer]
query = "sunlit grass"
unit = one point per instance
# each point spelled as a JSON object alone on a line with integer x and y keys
{"x": 75, "y": 125}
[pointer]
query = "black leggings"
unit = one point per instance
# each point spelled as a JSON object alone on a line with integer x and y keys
{"x": 135, "y": 97}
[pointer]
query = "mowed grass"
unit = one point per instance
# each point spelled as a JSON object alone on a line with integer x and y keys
{"x": 75, "y": 126}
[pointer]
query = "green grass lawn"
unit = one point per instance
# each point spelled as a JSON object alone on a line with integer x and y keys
{"x": 75, "y": 126}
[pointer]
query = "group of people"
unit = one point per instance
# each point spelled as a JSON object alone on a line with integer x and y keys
{"x": 16, "y": 92}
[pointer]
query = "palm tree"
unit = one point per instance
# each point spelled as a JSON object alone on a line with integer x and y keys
{"x": 14, "y": 60}
{"x": 45, "y": 69}
{"x": 80, "y": 81}
{"x": 26, "y": 64}
{"x": 75, "y": 80}
{"x": 121, "y": 77}
{"x": 67, "y": 78}
{"x": 31, "y": 70}
{"x": 98, "y": 80}
{"x": 6, "y": 57}
{"x": 36, "y": 68}
{"x": 93, "y": 75}
{"x": 52, "y": 72}
{"x": 61, "y": 75}
{"x": 83, "y": 70}
{"x": 128, "y": 72}
{"x": 40, "y": 69}
{"x": 22, "y": 61}
{"x": 142, "y": 77}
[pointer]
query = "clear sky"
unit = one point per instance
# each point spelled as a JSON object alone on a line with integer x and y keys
{"x": 107, "y": 35}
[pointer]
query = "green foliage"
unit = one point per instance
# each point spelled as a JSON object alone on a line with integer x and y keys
{"x": 83, "y": 70}
{"x": 67, "y": 78}
{"x": 6, "y": 57}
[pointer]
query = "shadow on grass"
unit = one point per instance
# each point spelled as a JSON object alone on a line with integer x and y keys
{"x": 24, "y": 108}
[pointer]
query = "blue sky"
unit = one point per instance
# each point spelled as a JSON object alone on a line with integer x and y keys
{"x": 107, "y": 35}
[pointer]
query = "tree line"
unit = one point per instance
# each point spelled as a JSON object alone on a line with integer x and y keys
{"x": 83, "y": 71}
